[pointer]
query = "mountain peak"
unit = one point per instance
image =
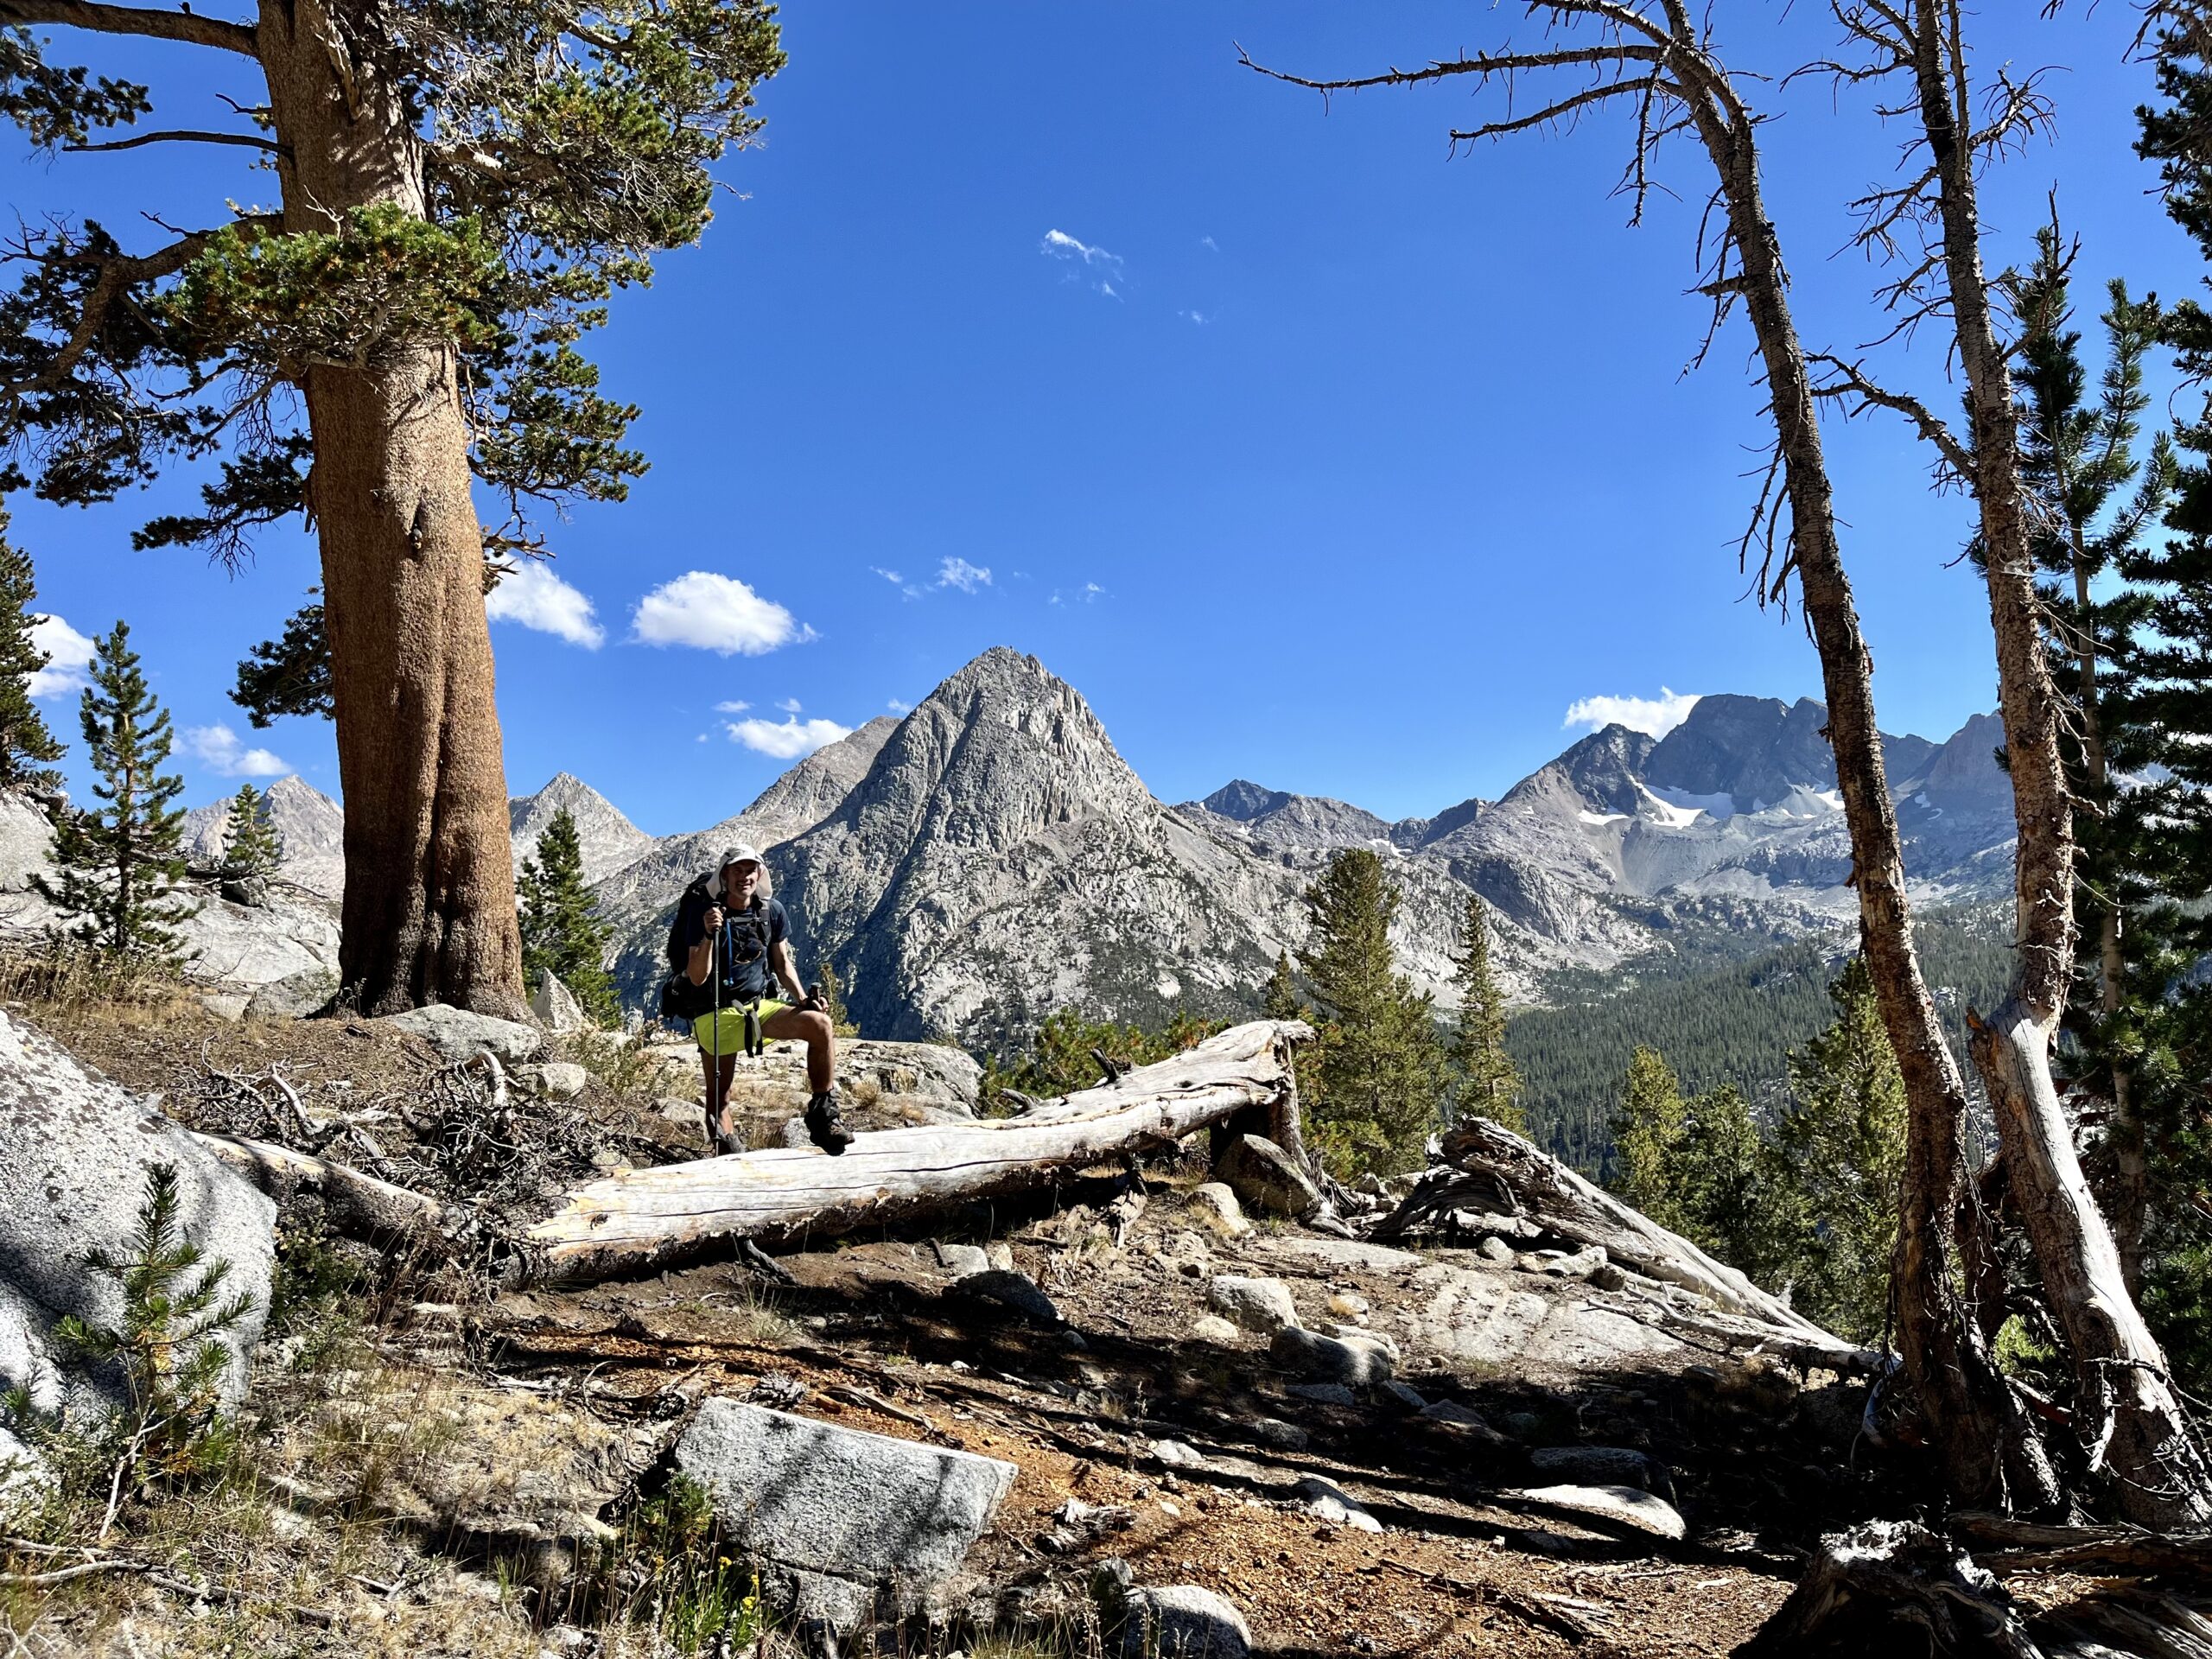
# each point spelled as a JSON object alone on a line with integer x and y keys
{"x": 608, "y": 838}
{"x": 1243, "y": 800}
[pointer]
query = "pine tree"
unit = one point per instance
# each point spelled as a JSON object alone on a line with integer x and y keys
{"x": 26, "y": 746}
{"x": 1488, "y": 1083}
{"x": 1838, "y": 1161}
{"x": 252, "y": 845}
{"x": 832, "y": 1003}
{"x": 1380, "y": 1066}
{"x": 2077, "y": 456}
{"x": 1719, "y": 1171}
{"x": 1648, "y": 1133}
{"x": 120, "y": 862}
{"x": 562, "y": 933}
{"x": 1278, "y": 1000}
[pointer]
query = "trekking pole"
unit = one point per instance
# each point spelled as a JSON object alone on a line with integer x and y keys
{"x": 714, "y": 1087}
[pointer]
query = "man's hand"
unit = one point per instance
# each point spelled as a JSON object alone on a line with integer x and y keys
{"x": 713, "y": 920}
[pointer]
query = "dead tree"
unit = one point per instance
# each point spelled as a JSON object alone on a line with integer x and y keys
{"x": 2138, "y": 1437}
{"x": 1651, "y": 57}
{"x": 639, "y": 1221}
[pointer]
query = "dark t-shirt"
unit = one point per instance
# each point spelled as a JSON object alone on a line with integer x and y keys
{"x": 748, "y": 937}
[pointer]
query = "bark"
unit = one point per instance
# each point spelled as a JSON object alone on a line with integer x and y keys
{"x": 360, "y": 1205}
{"x": 429, "y": 911}
{"x": 2137, "y": 1427}
{"x": 1988, "y": 1454}
{"x": 2130, "y": 1186}
{"x": 1492, "y": 1170}
{"x": 639, "y": 1221}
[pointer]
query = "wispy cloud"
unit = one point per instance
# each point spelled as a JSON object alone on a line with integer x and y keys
{"x": 1195, "y": 316}
{"x": 890, "y": 576}
{"x": 958, "y": 573}
{"x": 1657, "y": 715}
{"x": 1087, "y": 594}
{"x": 1061, "y": 245}
{"x": 736, "y": 707}
{"x": 899, "y": 708}
{"x": 224, "y": 754}
{"x": 1103, "y": 267}
{"x": 531, "y": 596}
{"x": 786, "y": 740}
{"x": 714, "y": 613}
{"x": 789, "y": 705}
{"x": 68, "y": 654}
{"x": 1208, "y": 242}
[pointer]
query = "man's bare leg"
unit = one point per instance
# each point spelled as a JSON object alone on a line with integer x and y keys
{"x": 719, "y": 1072}
{"x": 805, "y": 1025}
{"x": 825, "y": 1124}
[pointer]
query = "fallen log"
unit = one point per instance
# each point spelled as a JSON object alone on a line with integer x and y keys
{"x": 1490, "y": 1170}
{"x": 360, "y": 1206}
{"x": 639, "y": 1221}
{"x": 1893, "y": 1587}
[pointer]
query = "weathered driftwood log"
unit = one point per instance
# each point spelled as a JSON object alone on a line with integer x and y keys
{"x": 1493, "y": 1171}
{"x": 640, "y": 1220}
{"x": 1893, "y": 1587}
{"x": 360, "y": 1205}
{"x": 2006, "y": 1546}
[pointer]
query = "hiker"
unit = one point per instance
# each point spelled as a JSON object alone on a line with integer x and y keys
{"x": 741, "y": 933}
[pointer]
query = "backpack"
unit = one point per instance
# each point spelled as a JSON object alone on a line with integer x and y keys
{"x": 681, "y": 1000}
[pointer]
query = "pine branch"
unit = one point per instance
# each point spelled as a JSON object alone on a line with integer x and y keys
{"x": 179, "y": 25}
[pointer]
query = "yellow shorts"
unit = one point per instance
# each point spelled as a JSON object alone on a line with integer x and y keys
{"x": 724, "y": 1032}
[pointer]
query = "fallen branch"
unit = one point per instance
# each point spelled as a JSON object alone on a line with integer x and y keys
{"x": 639, "y": 1221}
{"x": 360, "y": 1205}
{"x": 1489, "y": 1170}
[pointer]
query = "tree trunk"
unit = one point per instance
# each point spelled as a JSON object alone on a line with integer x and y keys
{"x": 2129, "y": 1194}
{"x": 429, "y": 911}
{"x": 1989, "y": 1455}
{"x": 640, "y": 1221}
{"x": 359, "y": 1206}
{"x": 2160, "y": 1477}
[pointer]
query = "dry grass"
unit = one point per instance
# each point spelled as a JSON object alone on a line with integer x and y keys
{"x": 71, "y": 979}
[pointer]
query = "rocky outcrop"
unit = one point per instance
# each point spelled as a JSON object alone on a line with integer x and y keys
{"x": 846, "y": 1524}
{"x": 76, "y": 1156}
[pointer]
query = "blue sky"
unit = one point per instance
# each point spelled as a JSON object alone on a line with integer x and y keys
{"x": 1307, "y": 453}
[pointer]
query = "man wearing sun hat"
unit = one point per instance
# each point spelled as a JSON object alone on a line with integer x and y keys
{"x": 739, "y": 942}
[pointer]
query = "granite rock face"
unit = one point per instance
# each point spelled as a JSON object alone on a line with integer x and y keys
{"x": 999, "y": 859}
{"x": 846, "y": 1524}
{"x": 608, "y": 839}
{"x": 76, "y": 1153}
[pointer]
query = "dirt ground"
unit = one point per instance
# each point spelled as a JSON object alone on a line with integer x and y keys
{"x": 877, "y": 1334}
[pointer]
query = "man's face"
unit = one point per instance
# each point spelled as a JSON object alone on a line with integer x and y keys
{"x": 739, "y": 879}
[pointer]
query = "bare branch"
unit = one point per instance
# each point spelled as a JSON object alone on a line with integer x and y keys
{"x": 1850, "y": 382}
{"x": 181, "y": 25}
{"x": 1481, "y": 65}
{"x": 182, "y": 135}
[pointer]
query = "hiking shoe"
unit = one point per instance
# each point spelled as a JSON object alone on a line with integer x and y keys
{"x": 721, "y": 1142}
{"x": 825, "y": 1125}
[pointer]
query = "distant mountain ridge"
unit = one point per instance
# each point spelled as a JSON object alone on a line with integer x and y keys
{"x": 991, "y": 856}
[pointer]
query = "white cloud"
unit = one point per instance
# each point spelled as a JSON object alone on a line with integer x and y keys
{"x": 737, "y": 707}
{"x": 69, "y": 653}
{"x": 1104, "y": 266}
{"x": 890, "y": 576}
{"x": 786, "y": 740}
{"x": 714, "y": 613}
{"x": 223, "y": 753}
{"x": 958, "y": 573}
{"x": 532, "y": 595}
{"x": 1657, "y": 716}
{"x": 1208, "y": 242}
{"x": 789, "y": 705}
{"x": 899, "y": 708}
{"x": 1195, "y": 316}
{"x": 1061, "y": 245}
